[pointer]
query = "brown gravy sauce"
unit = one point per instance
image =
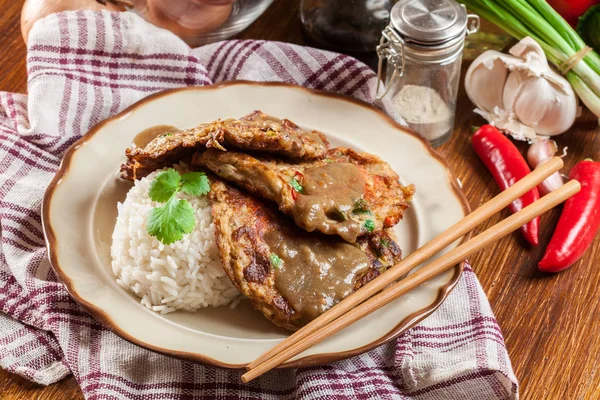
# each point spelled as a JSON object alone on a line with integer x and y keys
{"x": 328, "y": 197}
{"x": 147, "y": 135}
{"x": 315, "y": 273}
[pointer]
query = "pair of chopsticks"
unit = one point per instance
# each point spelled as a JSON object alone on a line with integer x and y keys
{"x": 367, "y": 299}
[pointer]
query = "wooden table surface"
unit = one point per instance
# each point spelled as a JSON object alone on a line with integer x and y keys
{"x": 550, "y": 322}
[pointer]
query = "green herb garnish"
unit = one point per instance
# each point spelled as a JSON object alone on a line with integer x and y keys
{"x": 276, "y": 261}
{"x": 195, "y": 183}
{"x": 165, "y": 185}
{"x": 369, "y": 225}
{"x": 385, "y": 243}
{"x": 297, "y": 186}
{"x": 175, "y": 218}
{"x": 361, "y": 207}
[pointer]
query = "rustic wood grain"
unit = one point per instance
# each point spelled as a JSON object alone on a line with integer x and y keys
{"x": 550, "y": 322}
{"x": 13, "y": 76}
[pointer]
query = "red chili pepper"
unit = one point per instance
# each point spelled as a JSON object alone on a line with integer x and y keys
{"x": 579, "y": 221}
{"x": 508, "y": 166}
{"x": 294, "y": 194}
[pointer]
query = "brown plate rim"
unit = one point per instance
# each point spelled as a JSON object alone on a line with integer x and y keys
{"x": 311, "y": 360}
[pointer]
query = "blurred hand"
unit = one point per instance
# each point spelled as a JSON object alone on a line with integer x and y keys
{"x": 34, "y": 10}
{"x": 189, "y": 19}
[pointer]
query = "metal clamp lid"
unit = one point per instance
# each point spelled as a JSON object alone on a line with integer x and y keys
{"x": 391, "y": 49}
{"x": 473, "y": 23}
{"x": 429, "y": 22}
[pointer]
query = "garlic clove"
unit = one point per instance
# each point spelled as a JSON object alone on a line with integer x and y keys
{"x": 563, "y": 111}
{"x": 539, "y": 103}
{"x": 530, "y": 105}
{"x": 532, "y": 54}
{"x": 560, "y": 115}
{"x": 539, "y": 153}
{"x": 491, "y": 74}
{"x": 511, "y": 91}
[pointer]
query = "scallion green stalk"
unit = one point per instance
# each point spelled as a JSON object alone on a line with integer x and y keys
{"x": 587, "y": 95}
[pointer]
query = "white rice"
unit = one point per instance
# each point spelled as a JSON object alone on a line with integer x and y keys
{"x": 185, "y": 275}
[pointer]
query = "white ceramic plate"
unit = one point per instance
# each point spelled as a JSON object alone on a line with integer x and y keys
{"x": 79, "y": 213}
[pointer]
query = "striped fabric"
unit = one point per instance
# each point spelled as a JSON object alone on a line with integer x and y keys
{"x": 84, "y": 67}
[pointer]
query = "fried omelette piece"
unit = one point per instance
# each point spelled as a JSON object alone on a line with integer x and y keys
{"x": 349, "y": 194}
{"x": 256, "y": 131}
{"x": 242, "y": 223}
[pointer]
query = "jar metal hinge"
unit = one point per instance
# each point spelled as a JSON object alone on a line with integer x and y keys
{"x": 473, "y": 22}
{"x": 390, "y": 49}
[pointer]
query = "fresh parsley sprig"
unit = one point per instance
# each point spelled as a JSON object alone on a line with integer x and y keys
{"x": 175, "y": 218}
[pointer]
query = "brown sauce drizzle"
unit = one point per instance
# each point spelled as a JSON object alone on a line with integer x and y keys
{"x": 328, "y": 197}
{"x": 314, "y": 274}
{"x": 147, "y": 135}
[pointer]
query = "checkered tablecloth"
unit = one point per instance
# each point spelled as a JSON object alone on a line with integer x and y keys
{"x": 86, "y": 66}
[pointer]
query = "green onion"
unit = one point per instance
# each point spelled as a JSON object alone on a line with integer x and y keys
{"x": 369, "y": 225}
{"x": 361, "y": 207}
{"x": 537, "y": 19}
{"x": 297, "y": 186}
{"x": 276, "y": 261}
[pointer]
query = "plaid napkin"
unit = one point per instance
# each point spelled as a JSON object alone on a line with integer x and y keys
{"x": 86, "y": 66}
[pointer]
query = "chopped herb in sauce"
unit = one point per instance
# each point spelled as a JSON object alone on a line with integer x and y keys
{"x": 296, "y": 185}
{"x": 369, "y": 225}
{"x": 275, "y": 260}
{"x": 361, "y": 207}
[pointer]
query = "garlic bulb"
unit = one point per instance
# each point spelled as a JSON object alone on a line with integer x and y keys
{"x": 520, "y": 94}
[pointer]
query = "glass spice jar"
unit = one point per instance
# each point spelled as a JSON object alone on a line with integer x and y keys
{"x": 422, "y": 47}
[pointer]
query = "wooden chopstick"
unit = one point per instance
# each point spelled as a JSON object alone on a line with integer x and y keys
{"x": 424, "y": 274}
{"x": 425, "y": 252}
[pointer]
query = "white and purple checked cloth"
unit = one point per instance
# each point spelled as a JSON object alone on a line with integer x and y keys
{"x": 86, "y": 66}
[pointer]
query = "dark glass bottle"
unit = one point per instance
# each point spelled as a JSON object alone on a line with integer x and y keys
{"x": 346, "y": 25}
